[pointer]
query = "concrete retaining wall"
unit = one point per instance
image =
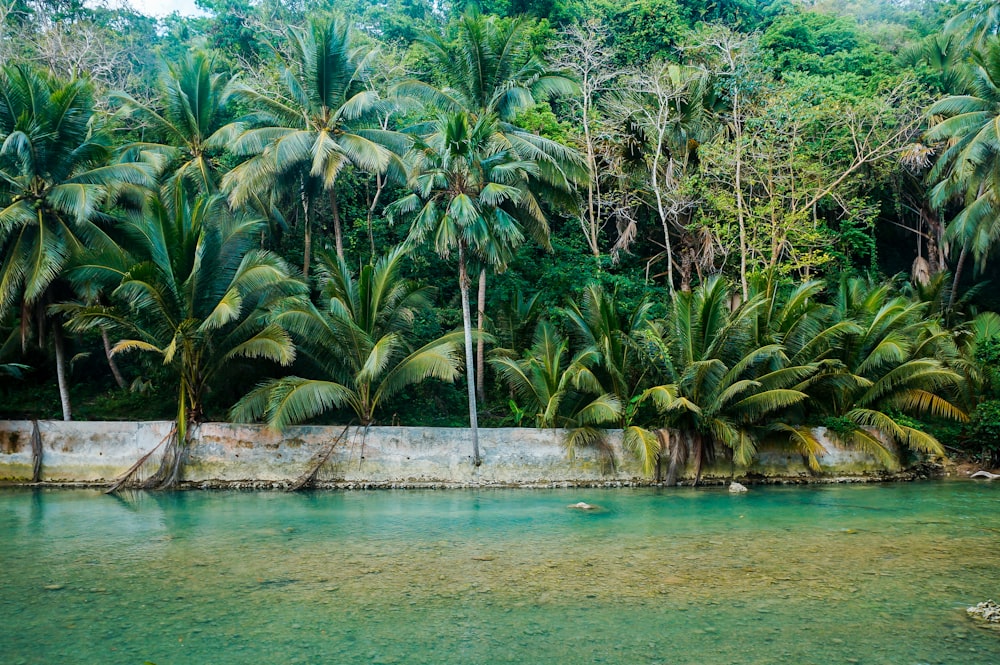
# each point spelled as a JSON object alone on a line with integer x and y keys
{"x": 226, "y": 453}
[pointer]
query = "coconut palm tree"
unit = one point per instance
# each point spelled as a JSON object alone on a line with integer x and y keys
{"x": 604, "y": 327}
{"x": 978, "y": 21}
{"x": 490, "y": 68}
{"x": 322, "y": 123}
{"x": 54, "y": 179}
{"x": 517, "y": 320}
{"x": 559, "y": 390}
{"x": 188, "y": 120}
{"x": 360, "y": 340}
{"x": 719, "y": 387}
{"x": 888, "y": 365}
{"x": 968, "y": 169}
{"x": 198, "y": 295}
{"x": 471, "y": 194}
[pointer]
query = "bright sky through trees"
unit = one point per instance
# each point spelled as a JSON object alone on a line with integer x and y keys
{"x": 164, "y": 7}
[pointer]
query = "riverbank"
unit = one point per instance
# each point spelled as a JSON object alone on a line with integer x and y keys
{"x": 225, "y": 455}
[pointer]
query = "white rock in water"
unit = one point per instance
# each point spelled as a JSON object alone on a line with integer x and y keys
{"x": 737, "y": 487}
{"x": 582, "y": 506}
{"x": 985, "y": 474}
{"x": 988, "y": 611}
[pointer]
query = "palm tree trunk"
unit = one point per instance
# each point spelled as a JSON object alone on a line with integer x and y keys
{"x": 480, "y": 342}
{"x": 958, "y": 276}
{"x": 335, "y": 209}
{"x": 307, "y": 226}
{"x": 379, "y": 186}
{"x": 699, "y": 450}
{"x": 119, "y": 379}
{"x": 463, "y": 283}
{"x": 59, "y": 343}
{"x": 675, "y": 458}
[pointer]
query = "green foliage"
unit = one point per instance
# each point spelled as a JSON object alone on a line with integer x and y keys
{"x": 191, "y": 289}
{"x": 982, "y": 436}
{"x": 825, "y": 45}
{"x": 360, "y": 341}
{"x": 728, "y": 139}
{"x": 987, "y": 354}
{"x": 643, "y": 29}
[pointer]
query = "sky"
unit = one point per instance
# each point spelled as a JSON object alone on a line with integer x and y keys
{"x": 164, "y": 7}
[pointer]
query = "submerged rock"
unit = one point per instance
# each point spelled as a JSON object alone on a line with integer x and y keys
{"x": 581, "y": 506}
{"x": 736, "y": 487}
{"x": 988, "y": 611}
{"x": 986, "y": 475}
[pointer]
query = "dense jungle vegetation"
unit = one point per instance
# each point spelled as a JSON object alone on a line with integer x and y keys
{"x": 714, "y": 225}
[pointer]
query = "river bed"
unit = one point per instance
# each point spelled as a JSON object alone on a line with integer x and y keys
{"x": 819, "y": 574}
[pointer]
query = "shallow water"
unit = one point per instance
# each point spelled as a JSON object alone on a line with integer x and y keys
{"x": 825, "y": 574}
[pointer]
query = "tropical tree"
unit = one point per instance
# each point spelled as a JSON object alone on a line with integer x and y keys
{"x": 978, "y": 21}
{"x": 666, "y": 103}
{"x": 607, "y": 329}
{"x": 323, "y": 122}
{"x": 968, "y": 166}
{"x": 490, "y": 68}
{"x": 189, "y": 121}
{"x": 360, "y": 339}
{"x": 516, "y": 322}
{"x": 560, "y": 390}
{"x": 718, "y": 386}
{"x": 54, "y": 178}
{"x": 197, "y": 294}
{"x": 471, "y": 192}
{"x": 888, "y": 368}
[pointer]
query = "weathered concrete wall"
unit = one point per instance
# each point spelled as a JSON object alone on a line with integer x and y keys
{"x": 100, "y": 451}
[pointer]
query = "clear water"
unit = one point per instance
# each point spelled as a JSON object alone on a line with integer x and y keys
{"x": 829, "y": 574}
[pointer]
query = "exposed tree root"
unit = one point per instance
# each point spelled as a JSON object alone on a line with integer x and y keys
{"x": 308, "y": 479}
{"x": 137, "y": 476}
{"x": 36, "y": 453}
{"x": 171, "y": 464}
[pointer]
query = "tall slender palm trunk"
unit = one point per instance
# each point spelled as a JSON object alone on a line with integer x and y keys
{"x": 60, "y": 345}
{"x": 480, "y": 342}
{"x": 464, "y": 283}
{"x": 335, "y": 210}
{"x": 119, "y": 379}
{"x": 958, "y": 277}
{"x": 307, "y": 226}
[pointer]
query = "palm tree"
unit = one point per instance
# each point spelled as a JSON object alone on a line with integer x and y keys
{"x": 361, "y": 340}
{"x": 558, "y": 390}
{"x": 188, "y": 119}
{"x": 471, "y": 192}
{"x": 490, "y": 68}
{"x": 978, "y": 21}
{"x": 54, "y": 178}
{"x": 968, "y": 168}
{"x": 517, "y": 320}
{"x": 718, "y": 385}
{"x": 604, "y": 327}
{"x": 321, "y": 123}
{"x": 887, "y": 366}
{"x": 197, "y": 294}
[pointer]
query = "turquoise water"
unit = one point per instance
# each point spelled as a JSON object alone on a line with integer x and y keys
{"x": 826, "y": 574}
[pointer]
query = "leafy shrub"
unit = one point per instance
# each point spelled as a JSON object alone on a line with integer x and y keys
{"x": 983, "y": 433}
